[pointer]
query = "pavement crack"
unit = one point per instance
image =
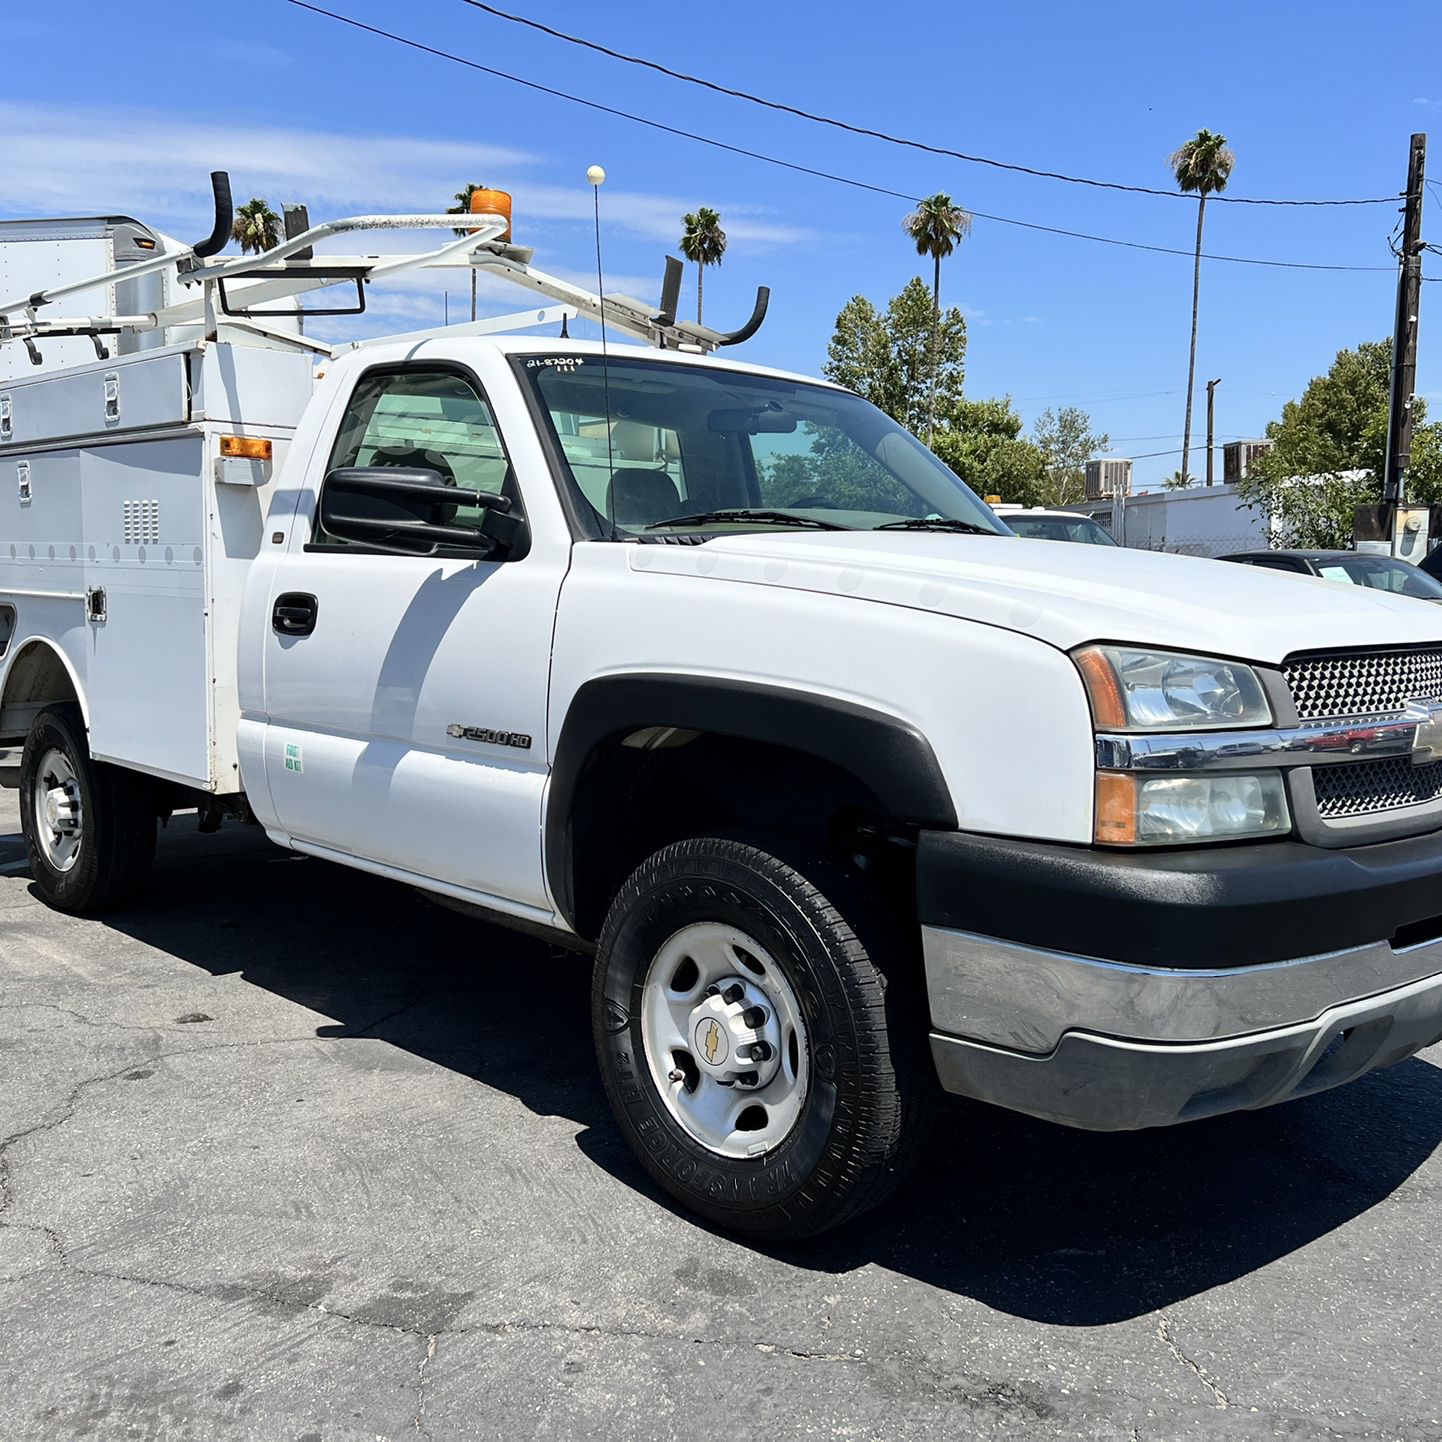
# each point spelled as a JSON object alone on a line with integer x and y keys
{"x": 1220, "y": 1400}
{"x": 806, "y": 1355}
{"x": 65, "y": 1111}
{"x": 432, "y": 1342}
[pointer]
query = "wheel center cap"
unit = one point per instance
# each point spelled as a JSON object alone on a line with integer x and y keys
{"x": 712, "y": 1044}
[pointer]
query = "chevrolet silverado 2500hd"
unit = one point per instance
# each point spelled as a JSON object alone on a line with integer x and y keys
{"x": 718, "y": 673}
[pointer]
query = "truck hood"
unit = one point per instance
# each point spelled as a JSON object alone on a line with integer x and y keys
{"x": 1066, "y": 594}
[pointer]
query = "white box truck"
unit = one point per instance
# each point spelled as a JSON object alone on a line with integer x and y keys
{"x": 717, "y": 673}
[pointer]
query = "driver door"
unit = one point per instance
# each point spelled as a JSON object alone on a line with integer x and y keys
{"x": 406, "y": 695}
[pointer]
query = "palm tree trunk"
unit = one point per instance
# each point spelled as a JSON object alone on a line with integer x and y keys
{"x": 935, "y": 347}
{"x": 473, "y": 292}
{"x": 700, "y": 281}
{"x": 1192, "y": 362}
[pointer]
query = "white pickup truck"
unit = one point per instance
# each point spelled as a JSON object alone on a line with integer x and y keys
{"x": 718, "y": 673}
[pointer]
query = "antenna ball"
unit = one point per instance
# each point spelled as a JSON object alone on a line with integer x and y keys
{"x": 595, "y": 175}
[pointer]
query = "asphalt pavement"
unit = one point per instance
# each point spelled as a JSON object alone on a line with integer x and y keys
{"x": 290, "y": 1152}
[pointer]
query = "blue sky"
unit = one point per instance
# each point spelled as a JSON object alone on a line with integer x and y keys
{"x": 300, "y": 108}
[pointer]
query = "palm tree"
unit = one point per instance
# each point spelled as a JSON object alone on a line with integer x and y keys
{"x": 938, "y": 226}
{"x": 704, "y": 242}
{"x": 1201, "y": 167}
{"x": 463, "y": 207}
{"x": 257, "y": 227}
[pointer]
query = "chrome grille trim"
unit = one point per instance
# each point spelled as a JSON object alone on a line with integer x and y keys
{"x": 1364, "y": 788}
{"x": 1330, "y": 685}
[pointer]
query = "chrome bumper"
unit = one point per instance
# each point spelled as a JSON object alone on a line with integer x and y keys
{"x": 1109, "y": 1046}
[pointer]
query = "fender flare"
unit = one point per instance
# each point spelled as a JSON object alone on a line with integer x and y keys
{"x": 34, "y": 642}
{"x": 891, "y": 757}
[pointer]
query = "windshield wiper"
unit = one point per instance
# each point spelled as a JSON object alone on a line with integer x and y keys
{"x": 938, "y": 523}
{"x": 778, "y": 518}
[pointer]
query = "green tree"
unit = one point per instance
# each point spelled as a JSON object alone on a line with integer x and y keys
{"x": 937, "y": 226}
{"x": 703, "y": 241}
{"x": 257, "y": 227}
{"x": 886, "y": 358}
{"x": 981, "y": 441}
{"x": 1201, "y": 167}
{"x": 1328, "y": 450}
{"x": 1176, "y": 482}
{"x": 1066, "y": 438}
{"x": 463, "y": 207}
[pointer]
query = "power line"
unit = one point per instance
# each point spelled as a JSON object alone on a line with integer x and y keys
{"x": 1163, "y": 249}
{"x": 1171, "y": 436}
{"x": 816, "y": 119}
{"x": 804, "y": 169}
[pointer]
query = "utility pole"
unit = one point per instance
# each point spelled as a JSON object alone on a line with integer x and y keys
{"x": 1404, "y": 332}
{"x": 1211, "y": 420}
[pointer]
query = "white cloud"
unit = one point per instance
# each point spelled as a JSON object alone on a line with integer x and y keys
{"x": 155, "y": 166}
{"x": 77, "y": 159}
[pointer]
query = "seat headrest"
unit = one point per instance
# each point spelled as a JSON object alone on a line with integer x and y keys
{"x": 636, "y": 497}
{"x": 633, "y": 441}
{"x": 412, "y": 457}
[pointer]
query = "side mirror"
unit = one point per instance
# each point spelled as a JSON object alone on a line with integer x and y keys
{"x": 411, "y": 512}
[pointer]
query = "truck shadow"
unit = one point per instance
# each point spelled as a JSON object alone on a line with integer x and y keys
{"x": 1035, "y": 1220}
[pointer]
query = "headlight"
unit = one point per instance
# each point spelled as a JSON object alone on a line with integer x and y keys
{"x": 1174, "y": 810}
{"x": 1132, "y": 690}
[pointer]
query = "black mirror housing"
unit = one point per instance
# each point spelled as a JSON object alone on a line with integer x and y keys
{"x": 410, "y": 511}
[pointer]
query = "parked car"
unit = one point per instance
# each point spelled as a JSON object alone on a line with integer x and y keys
{"x": 1351, "y": 568}
{"x": 716, "y": 675}
{"x": 1035, "y": 523}
{"x": 1432, "y": 563}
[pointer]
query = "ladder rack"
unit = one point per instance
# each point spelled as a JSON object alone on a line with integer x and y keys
{"x": 292, "y": 269}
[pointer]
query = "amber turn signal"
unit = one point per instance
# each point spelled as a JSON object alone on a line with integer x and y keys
{"x": 1116, "y": 810}
{"x": 252, "y": 448}
{"x": 1109, "y": 710}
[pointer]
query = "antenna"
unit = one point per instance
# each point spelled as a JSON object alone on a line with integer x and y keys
{"x": 597, "y": 177}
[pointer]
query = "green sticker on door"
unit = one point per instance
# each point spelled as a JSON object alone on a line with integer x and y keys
{"x": 293, "y": 758}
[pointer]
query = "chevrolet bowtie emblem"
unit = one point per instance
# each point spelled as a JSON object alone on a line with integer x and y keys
{"x": 712, "y": 1041}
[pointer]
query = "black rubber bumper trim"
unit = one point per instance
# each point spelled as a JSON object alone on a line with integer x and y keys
{"x": 1212, "y": 907}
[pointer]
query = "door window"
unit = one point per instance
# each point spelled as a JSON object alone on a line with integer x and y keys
{"x": 429, "y": 420}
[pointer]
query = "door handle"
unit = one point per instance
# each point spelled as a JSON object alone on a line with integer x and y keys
{"x": 294, "y": 614}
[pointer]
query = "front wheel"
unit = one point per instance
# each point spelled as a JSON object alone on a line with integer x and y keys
{"x": 760, "y": 1037}
{"x": 89, "y": 827}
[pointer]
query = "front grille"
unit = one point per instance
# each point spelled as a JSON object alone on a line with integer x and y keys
{"x": 1361, "y": 788}
{"x": 1363, "y": 683}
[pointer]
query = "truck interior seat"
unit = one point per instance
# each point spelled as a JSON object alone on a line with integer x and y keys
{"x": 637, "y": 497}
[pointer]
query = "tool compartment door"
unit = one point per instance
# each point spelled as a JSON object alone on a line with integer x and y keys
{"x": 149, "y": 665}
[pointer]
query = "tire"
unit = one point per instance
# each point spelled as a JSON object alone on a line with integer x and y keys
{"x": 844, "y": 1108}
{"x": 89, "y": 835}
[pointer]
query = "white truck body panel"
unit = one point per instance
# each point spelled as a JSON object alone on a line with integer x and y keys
{"x": 984, "y": 693}
{"x": 138, "y": 505}
{"x": 1064, "y": 595}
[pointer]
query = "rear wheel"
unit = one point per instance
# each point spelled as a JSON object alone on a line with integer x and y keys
{"x": 760, "y": 1036}
{"x": 89, "y": 827}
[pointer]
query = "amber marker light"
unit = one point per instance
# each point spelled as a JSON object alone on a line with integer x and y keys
{"x": 1109, "y": 710}
{"x": 250, "y": 448}
{"x": 485, "y": 201}
{"x": 1116, "y": 812}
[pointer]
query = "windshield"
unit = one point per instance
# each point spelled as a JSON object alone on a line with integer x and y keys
{"x": 1060, "y": 528}
{"x": 1399, "y": 577}
{"x": 649, "y": 444}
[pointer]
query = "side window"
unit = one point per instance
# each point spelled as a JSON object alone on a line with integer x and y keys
{"x": 430, "y": 419}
